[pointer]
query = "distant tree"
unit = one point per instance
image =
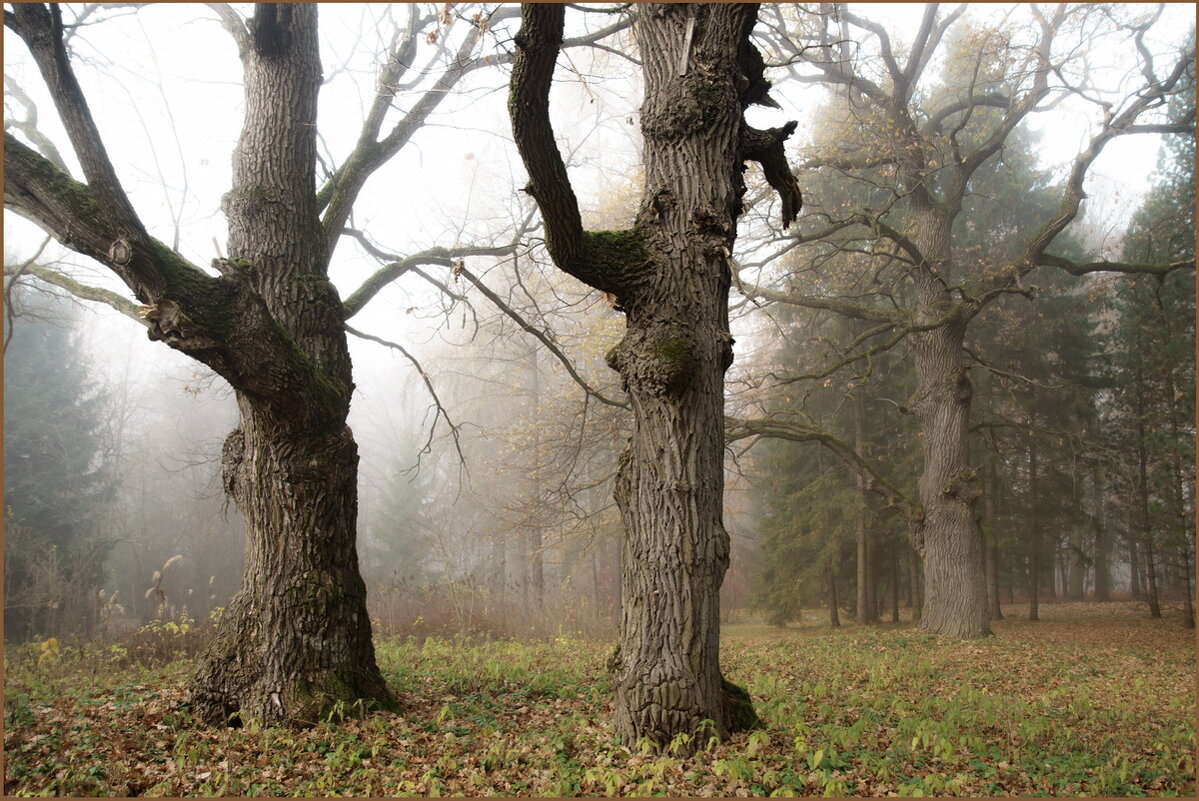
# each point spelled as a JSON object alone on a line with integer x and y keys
{"x": 57, "y": 482}
{"x": 1153, "y": 348}
{"x": 670, "y": 273}
{"x": 919, "y": 142}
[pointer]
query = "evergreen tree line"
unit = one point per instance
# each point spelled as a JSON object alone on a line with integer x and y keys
{"x": 1082, "y": 425}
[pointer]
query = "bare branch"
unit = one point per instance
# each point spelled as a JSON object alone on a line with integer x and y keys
{"x": 398, "y": 266}
{"x": 1128, "y": 268}
{"x": 796, "y": 431}
{"x": 232, "y": 22}
{"x": 41, "y": 28}
{"x": 28, "y": 126}
{"x": 542, "y": 338}
{"x": 80, "y": 290}
{"x": 441, "y": 410}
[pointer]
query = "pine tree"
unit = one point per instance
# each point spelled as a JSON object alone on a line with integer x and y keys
{"x": 55, "y": 483}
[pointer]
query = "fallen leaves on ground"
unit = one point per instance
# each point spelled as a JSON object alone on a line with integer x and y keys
{"x": 1095, "y": 699}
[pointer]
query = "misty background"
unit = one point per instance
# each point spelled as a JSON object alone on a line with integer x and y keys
{"x": 486, "y": 466}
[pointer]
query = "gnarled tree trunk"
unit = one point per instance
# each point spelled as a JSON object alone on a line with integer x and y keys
{"x": 296, "y": 639}
{"x": 671, "y": 275}
{"x": 948, "y": 537}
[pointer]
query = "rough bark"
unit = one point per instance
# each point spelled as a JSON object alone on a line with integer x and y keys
{"x": 296, "y": 639}
{"x": 948, "y": 537}
{"x": 671, "y": 275}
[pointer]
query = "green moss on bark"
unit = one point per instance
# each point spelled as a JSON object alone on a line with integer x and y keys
{"x": 614, "y": 252}
{"x": 739, "y": 712}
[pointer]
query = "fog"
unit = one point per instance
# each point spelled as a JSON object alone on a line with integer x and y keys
{"x": 487, "y": 507}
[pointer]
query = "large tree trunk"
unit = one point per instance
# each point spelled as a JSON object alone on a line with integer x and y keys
{"x": 296, "y": 639}
{"x": 671, "y": 275}
{"x": 955, "y": 600}
{"x": 677, "y": 346}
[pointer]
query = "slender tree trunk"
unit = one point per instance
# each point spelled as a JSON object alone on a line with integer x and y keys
{"x": 1155, "y": 609}
{"x": 991, "y": 542}
{"x": 1178, "y": 479}
{"x": 296, "y": 638}
{"x": 914, "y": 583}
{"x": 1187, "y": 599}
{"x": 1103, "y": 582}
{"x": 1142, "y": 487}
{"x": 834, "y": 617}
{"x": 993, "y": 579}
{"x": 1134, "y": 556}
{"x": 533, "y": 546}
{"x": 1034, "y": 537}
{"x": 893, "y": 561}
{"x": 866, "y": 580}
{"x": 596, "y": 599}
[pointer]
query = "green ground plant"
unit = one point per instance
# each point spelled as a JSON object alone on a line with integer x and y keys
{"x": 1093, "y": 700}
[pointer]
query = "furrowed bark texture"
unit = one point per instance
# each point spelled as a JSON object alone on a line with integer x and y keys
{"x": 671, "y": 275}
{"x": 672, "y": 360}
{"x": 948, "y": 537}
{"x": 297, "y": 639}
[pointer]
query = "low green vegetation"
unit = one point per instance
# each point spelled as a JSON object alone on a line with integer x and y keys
{"x": 1094, "y": 700}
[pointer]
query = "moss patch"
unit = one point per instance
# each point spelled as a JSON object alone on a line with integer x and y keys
{"x": 739, "y": 711}
{"x": 614, "y": 251}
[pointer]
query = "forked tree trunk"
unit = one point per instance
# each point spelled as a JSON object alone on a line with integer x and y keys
{"x": 671, "y": 275}
{"x": 296, "y": 640}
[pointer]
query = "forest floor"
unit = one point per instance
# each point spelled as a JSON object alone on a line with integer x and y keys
{"x": 1094, "y": 699}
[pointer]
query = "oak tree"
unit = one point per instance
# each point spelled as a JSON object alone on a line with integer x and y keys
{"x": 670, "y": 273}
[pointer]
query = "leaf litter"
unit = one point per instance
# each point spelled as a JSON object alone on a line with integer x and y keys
{"x": 1095, "y": 699}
